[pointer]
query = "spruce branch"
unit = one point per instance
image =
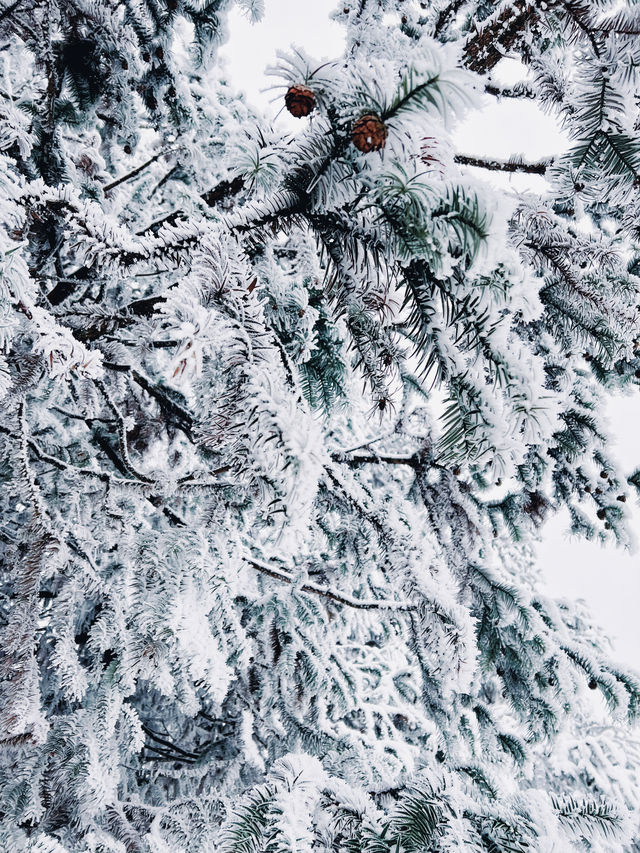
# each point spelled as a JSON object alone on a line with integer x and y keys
{"x": 110, "y": 479}
{"x": 371, "y": 634}
{"x": 410, "y": 96}
{"x": 580, "y": 816}
{"x": 578, "y": 14}
{"x": 624, "y": 22}
{"x": 357, "y": 504}
{"x": 38, "y": 506}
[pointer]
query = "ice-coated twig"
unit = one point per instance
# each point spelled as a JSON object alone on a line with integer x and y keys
{"x": 328, "y": 592}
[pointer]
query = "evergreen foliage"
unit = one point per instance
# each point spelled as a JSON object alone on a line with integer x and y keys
{"x": 281, "y": 422}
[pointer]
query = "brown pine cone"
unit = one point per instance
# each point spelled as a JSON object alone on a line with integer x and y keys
{"x": 300, "y": 101}
{"x": 369, "y": 133}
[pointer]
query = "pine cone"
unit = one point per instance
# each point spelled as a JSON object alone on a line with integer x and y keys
{"x": 300, "y": 101}
{"x": 369, "y": 133}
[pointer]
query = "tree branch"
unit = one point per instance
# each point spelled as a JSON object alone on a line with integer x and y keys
{"x": 155, "y": 500}
{"x": 327, "y": 592}
{"x": 121, "y": 180}
{"x": 181, "y": 418}
{"x": 356, "y": 459}
{"x": 122, "y": 433}
{"x": 61, "y": 465}
{"x": 498, "y": 34}
{"x": 521, "y": 90}
{"x": 515, "y": 165}
{"x": 179, "y": 752}
{"x": 223, "y": 190}
{"x": 446, "y": 15}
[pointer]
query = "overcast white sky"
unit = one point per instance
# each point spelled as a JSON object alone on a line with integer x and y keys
{"x": 607, "y": 578}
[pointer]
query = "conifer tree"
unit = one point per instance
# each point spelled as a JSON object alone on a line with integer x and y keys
{"x": 283, "y": 414}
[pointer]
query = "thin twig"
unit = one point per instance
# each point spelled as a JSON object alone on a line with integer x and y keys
{"x": 167, "y": 743}
{"x": 78, "y": 417}
{"x": 327, "y": 592}
{"x": 61, "y": 465}
{"x": 519, "y": 91}
{"x": 133, "y": 173}
{"x": 370, "y": 516}
{"x": 122, "y": 433}
{"x": 225, "y": 189}
{"x": 514, "y": 165}
{"x": 368, "y": 443}
{"x": 143, "y": 343}
{"x": 180, "y": 416}
{"x": 357, "y": 459}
